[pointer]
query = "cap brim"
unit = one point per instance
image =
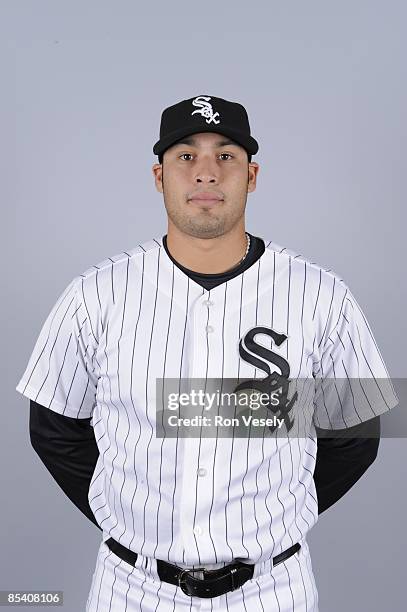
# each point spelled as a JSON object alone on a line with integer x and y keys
{"x": 247, "y": 142}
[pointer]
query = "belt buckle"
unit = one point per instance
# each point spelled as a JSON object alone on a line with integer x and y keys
{"x": 182, "y": 582}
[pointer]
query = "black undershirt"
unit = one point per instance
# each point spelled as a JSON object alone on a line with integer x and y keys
{"x": 68, "y": 449}
{"x": 209, "y": 281}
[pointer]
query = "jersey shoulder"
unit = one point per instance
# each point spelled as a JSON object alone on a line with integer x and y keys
{"x": 327, "y": 274}
{"x": 119, "y": 260}
{"x": 326, "y": 288}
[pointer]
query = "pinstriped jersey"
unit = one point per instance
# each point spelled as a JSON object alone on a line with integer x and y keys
{"x": 135, "y": 318}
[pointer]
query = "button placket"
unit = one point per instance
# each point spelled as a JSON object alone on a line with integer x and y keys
{"x": 197, "y": 478}
{"x": 199, "y": 318}
{"x": 208, "y": 303}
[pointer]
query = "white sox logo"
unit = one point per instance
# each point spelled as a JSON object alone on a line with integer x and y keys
{"x": 273, "y": 381}
{"x": 205, "y": 109}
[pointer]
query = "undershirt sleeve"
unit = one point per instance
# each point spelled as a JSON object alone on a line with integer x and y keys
{"x": 341, "y": 462}
{"x": 68, "y": 449}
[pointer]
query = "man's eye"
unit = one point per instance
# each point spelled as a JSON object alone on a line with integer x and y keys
{"x": 190, "y": 154}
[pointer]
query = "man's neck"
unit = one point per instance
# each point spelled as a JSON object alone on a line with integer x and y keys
{"x": 208, "y": 255}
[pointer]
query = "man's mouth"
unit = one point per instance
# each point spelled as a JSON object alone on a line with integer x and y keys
{"x": 205, "y": 197}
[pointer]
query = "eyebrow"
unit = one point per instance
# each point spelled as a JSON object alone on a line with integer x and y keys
{"x": 192, "y": 141}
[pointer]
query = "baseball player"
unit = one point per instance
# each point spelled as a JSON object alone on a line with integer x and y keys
{"x": 198, "y": 521}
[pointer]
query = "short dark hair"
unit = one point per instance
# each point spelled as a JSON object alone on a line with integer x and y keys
{"x": 161, "y": 155}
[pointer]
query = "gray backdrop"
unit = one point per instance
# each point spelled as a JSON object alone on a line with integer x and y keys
{"x": 83, "y": 87}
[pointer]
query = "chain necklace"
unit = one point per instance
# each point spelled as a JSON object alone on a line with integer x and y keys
{"x": 245, "y": 255}
{"x": 247, "y": 248}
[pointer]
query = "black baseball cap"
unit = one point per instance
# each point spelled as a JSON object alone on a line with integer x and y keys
{"x": 205, "y": 114}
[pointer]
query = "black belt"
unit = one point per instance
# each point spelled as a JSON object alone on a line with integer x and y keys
{"x": 214, "y": 583}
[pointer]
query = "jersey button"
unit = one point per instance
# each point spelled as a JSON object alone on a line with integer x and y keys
{"x": 209, "y": 329}
{"x": 207, "y": 303}
{"x": 201, "y": 471}
{"x": 198, "y": 530}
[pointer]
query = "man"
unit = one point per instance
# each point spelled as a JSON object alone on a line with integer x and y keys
{"x": 195, "y": 521}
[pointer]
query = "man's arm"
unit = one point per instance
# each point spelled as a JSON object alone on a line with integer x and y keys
{"x": 342, "y": 461}
{"x": 68, "y": 449}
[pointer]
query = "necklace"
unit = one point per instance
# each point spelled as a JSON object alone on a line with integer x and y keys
{"x": 245, "y": 255}
{"x": 247, "y": 248}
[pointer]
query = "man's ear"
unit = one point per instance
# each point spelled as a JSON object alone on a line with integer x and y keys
{"x": 157, "y": 170}
{"x": 253, "y": 172}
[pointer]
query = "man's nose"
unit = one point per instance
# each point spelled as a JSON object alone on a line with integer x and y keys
{"x": 206, "y": 175}
{"x": 207, "y": 172}
{"x": 205, "y": 178}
